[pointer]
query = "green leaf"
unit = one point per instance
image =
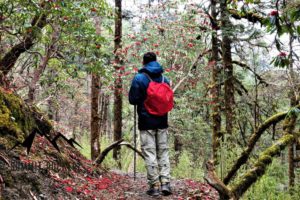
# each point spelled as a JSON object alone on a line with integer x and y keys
{"x": 298, "y": 30}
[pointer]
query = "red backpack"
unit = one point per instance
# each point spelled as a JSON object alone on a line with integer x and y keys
{"x": 159, "y": 99}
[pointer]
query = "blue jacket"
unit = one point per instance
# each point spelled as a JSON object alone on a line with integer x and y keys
{"x": 138, "y": 94}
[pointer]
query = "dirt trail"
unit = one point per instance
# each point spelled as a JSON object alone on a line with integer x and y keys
{"x": 182, "y": 189}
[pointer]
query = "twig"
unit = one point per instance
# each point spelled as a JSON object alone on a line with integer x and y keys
{"x": 192, "y": 68}
{"x": 32, "y": 195}
{"x": 243, "y": 65}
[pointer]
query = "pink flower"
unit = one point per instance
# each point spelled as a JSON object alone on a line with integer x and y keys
{"x": 274, "y": 13}
{"x": 190, "y": 45}
{"x": 282, "y": 54}
{"x": 69, "y": 189}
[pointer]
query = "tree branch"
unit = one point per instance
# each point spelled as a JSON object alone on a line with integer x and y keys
{"x": 10, "y": 58}
{"x": 193, "y": 68}
{"x": 132, "y": 148}
{"x": 116, "y": 144}
{"x": 254, "y": 138}
{"x": 250, "y": 16}
{"x": 261, "y": 165}
{"x": 212, "y": 179}
{"x": 243, "y": 65}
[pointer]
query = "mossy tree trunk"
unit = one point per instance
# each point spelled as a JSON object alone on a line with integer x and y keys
{"x": 216, "y": 87}
{"x": 118, "y": 81}
{"x": 246, "y": 181}
{"x": 226, "y": 28}
{"x": 8, "y": 61}
{"x": 260, "y": 166}
{"x": 265, "y": 159}
{"x": 251, "y": 144}
{"x": 18, "y": 120}
{"x": 294, "y": 91}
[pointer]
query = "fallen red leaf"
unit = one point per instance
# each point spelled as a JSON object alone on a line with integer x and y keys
{"x": 69, "y": 189}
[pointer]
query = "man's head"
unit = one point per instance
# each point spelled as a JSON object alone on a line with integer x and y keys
{"x": 149, "y": 57}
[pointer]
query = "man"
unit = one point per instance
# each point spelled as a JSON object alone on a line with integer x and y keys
{"x": 153, "y": 129}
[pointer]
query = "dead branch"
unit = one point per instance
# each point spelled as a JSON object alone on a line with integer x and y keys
{"x": 116, "y": 144}
{"x": 132, "y": 148}
{"x": 243, "y": 65}
{"x": 2, "y": 157}
{"x": 241, "y": 86}
{"x": 103, "y": 154}
{"x": 193, "y": 68}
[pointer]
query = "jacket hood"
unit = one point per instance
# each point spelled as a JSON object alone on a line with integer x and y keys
{"x": 152, "y": 68}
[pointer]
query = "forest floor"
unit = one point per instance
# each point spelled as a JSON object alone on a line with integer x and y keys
{"x": 41, "y": 175}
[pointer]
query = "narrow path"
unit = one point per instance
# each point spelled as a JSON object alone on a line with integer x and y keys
{"x": 182, "y": 189}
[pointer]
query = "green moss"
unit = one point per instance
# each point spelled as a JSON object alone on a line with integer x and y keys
{"x": 16, "y": 120}
{"x": 261, "y": 164}
{"x": 20, "y": 112}
{"x": 7, "y": 123}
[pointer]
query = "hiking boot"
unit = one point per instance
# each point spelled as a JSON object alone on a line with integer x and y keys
{"x": 166, "y": 189}
{"x": 153, "y": 191}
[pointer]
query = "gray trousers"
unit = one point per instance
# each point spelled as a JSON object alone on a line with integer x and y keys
{"x": 154, "y": 144}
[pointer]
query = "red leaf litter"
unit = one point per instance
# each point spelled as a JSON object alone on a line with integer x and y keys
{"x": 82, "y": 180}
{"x": 115, "y": 185}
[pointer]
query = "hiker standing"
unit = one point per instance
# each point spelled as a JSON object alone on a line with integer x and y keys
{"x": 151, "y": 93}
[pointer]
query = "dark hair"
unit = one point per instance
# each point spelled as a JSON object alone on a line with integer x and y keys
{"x": 149, "y": 57}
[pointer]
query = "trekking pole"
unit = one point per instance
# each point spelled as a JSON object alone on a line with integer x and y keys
{"x": 134, "y": 139}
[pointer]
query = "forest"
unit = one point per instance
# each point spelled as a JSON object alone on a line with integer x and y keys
{"x": 68, "y": 130}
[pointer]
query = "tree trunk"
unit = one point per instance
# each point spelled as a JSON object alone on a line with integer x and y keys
{"x": 95, "y": 105}
{"x": 293, "y": 102}
{"x": 75, "y": 121}
{"x": 42, "y": 66}
{"x": 228, "y": 67}
{"x": 215, "y": 91}
{"x": 105, "y": 115}
{"x": 10, "y": 58}
{"x": 95, "y": 125}
{"x": 177, "y": 147}
{"x": 118, "y": 81}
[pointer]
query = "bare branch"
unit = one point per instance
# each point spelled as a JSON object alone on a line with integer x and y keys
{"x": 245, "y": 66}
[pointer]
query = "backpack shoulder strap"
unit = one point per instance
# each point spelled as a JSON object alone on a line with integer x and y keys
{"x": 147, "y": 75}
